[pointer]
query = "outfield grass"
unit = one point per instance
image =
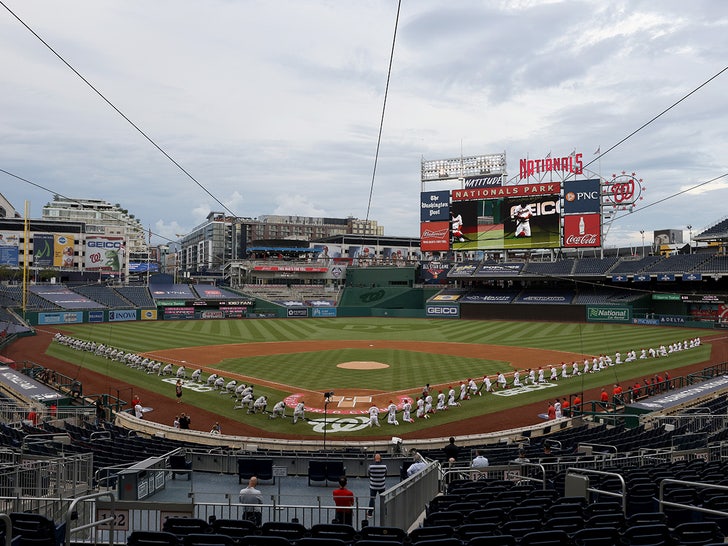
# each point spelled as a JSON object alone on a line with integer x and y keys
{"x": 409, "y": 370}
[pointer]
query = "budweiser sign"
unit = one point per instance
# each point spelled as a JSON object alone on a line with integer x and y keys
{"x": 434, "y": 236}
{"x": 582, "y": 230}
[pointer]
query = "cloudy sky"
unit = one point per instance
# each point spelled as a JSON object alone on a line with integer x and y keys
{"x": 274, "y": 106}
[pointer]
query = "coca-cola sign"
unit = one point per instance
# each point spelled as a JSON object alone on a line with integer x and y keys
{"x": 582, "y": 230}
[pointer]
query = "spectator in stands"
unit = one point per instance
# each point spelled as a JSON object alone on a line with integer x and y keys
{"x": 32, "y": 417}
{"x": 418, "y": 465}
{"x": 521, "y": 457}
{"x": 377, "y": 473}
{"x": 451, "y": 451}
{"x": 100, "y": 411}
{"x": 76, "y": 388}
{"x": 344, "y": 500}
{"x": 251, "y": 496}
{"x": 184, "y": 421}
{"x": 479, "y": 464}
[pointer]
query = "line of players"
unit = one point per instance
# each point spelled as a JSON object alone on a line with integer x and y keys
{"x": 243, "y": 394}
{"x": 427, "y": 404}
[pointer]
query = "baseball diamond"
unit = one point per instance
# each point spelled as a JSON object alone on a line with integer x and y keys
{"x": 394, "y": 359}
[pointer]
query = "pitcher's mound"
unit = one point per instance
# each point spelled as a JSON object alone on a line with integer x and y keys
{"x": 362, "y": 365}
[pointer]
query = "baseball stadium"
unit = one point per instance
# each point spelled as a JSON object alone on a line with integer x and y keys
{"x": 591, "y": 381}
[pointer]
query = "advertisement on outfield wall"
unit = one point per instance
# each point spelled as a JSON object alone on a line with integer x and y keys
{"x": 583, "y": 230}
{"x": 507, "y": 223}
{"x": 434, "y": 206}
{"x": 68, "y": 317}
{"x": 104, "y": 254}
{"x": 608, "y": 314}
{"x": 442, "y": 311}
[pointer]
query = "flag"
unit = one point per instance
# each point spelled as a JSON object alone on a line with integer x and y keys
{"x": 150, "y": 235}
{"x": 548, "y": 155}
{"x": 598, "y": 151}
{"x": 573, "y": 153}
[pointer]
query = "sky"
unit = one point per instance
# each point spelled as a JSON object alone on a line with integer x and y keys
{"x": 274, "y": 107}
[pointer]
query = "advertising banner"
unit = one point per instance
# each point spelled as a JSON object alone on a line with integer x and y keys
{"x": 435, "y": 236}
{"x": 69, "y": 317}
{"x": 121, "y": 316}
{"x": 43, "y": 249}
{"x": 297, "y": 313}
{"x": 63, "y": 250}
{"x": 104, "y": 254}
{"x": 434, "y": 206}
{"x": 326, "y": 253}
{"x": 582, "y": 230}
{"x": 442, "y": 311}
{"x": 9, "y": 253}
{"x": 608, "y": 314}
{"x": 582, "y": 196}
{"x": 434, "y": 272}
{"x": 323, "y": 312}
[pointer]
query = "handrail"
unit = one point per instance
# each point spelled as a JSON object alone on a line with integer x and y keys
{"x": 588, "y": 471}
{"x": 71, "y": 514}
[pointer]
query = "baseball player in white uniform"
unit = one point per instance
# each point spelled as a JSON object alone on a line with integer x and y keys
{"x": 196, "y": 375}
{"x": 407, "y": 411}
{"x": 299, "y": 412}
{"x": 392, "y": 414}
{"x": 374, "y": 416}
{"x": 522, "y": 216}
{"x": 279, "y": 410}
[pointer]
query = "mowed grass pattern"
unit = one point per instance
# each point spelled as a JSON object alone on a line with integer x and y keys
{"x": 408, "y": 371}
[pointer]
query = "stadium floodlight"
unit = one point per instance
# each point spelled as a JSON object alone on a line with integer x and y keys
{"x": 463, "y": 167}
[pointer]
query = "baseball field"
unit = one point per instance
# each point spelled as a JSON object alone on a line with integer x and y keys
{"x": 364, "y": 362}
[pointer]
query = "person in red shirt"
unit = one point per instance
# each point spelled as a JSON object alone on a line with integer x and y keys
{"x": 576, "y": 404}
{"x": 565, "y": 407}
{"x": 344, "y": 500}
{"x": 604, "y": 398}
{"x": 551, "y": 412}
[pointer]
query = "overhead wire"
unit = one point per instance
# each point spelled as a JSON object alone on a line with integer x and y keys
{"x": 384, "y": 109}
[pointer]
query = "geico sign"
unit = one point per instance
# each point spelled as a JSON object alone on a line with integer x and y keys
{"x": 441, "y": 310}
{"x": 104, "y": 244}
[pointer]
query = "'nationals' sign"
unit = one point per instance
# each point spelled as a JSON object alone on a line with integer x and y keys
{"x": 522, "y": 190}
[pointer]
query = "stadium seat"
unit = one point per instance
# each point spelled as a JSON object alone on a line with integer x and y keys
{"x": 471, "y": 530}
{"x": 264, "y": 540}
{"x": 376, "y": 532}
{"x": 207, "y": 539}
{"x": 656, "y": 534}
{"x": 186, "y": 526}
{"x": 420, "y": 534}
{"x": 151, "y": 538}
{"x": 235, "y": 528}
{"x": 286, "y": 529}
{"x": 698, "y": 532}
{"x": 445, "y": 517}
{"x": 340, "y": 531}
{"x": 545, "y": 538}
{"x": 493, "y": 540}
{"x": 597, "y": 536}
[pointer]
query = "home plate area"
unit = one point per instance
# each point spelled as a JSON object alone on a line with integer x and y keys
{"x": 351, "y": 402}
